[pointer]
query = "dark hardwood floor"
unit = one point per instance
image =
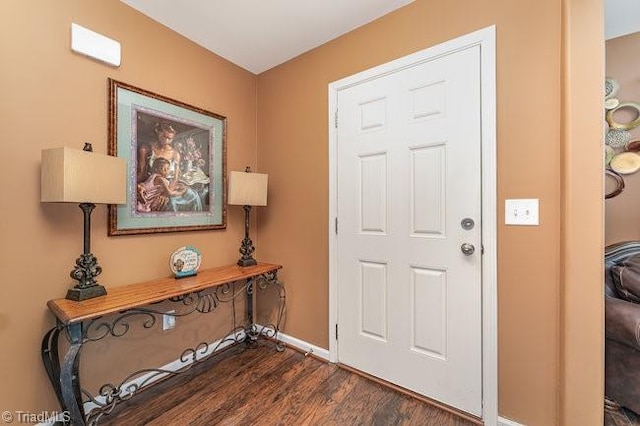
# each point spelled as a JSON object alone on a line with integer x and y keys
{"x": 259, "y": 386}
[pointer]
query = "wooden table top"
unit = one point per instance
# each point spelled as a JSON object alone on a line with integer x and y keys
{"x": 144, "y": 293}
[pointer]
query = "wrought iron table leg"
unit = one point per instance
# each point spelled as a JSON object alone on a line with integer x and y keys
{"x": 51, "y": 361}
{"x": 282, "y": 296}
{"x": 251, "y": 334}
{"x": 272, "y": 330}
{"x": 70, "y": 378}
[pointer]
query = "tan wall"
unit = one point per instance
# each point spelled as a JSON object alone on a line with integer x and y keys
{"x": 581, "y": 283}
{"x": 623, "y": 64}
{"x": 293, "y": 149}
{"x": 52, "y": 97}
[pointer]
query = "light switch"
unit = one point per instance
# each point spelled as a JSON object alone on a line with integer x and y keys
{"x": 521, "y": 212}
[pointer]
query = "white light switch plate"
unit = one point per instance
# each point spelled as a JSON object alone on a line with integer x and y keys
{"x": 521, "y": 212}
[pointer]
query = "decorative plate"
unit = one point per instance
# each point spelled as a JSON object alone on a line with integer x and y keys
{"x": 611, "y": 87}
{"x": 633, "y": 146}
{"x": 632, "y": 123}
{"x": 609, "y": 153}
{"x": 611, "y": 103}
{"x": 613, "y": 184}
{"x": 617, "y": 138}
{"x": 625, "y": 163}
{"x": 185, "y": 261}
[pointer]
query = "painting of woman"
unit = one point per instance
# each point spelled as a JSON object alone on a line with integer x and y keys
{"x": 160, "y": 181}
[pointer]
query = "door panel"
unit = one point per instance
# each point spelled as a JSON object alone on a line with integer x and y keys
{"x": 427, "y": 190}
{"x": 372, "y": 194}
{"x": 373, "y": 303}
{"x": 429, "y": 312}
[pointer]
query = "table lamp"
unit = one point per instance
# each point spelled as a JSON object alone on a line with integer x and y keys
{"x": 82, "y": 176}
{"x": 247, "y": 189}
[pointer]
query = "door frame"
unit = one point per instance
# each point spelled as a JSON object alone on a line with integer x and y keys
{"x": 486, "y": 39}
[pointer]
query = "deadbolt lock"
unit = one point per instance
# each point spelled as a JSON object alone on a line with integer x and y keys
{"x": 467, "y": 223}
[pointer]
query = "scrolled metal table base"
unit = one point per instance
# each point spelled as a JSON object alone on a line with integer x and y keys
{"x": 65, "y": 377}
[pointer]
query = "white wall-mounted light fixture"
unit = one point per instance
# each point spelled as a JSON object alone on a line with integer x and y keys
{"x": 94, "y": 45}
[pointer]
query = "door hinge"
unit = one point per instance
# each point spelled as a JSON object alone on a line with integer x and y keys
{"x": 336, "y": 225}
{"x": 335, "y": 119}
{"x": 336, "y": 331}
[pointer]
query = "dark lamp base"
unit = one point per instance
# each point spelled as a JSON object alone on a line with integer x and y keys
{"x": 247, "y": 262}
{"x": 246, "y": 248}
{"x": 80, "y": 294}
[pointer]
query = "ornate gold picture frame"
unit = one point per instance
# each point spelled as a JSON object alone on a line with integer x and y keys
{"x": 176, "y": 163}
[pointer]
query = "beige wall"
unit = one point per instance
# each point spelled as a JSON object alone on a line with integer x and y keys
{"x": 52, "y": 97}
{"x": 623, "y": 64}
{"x": 581, "y": 283}
{"x": 293, "y": 149}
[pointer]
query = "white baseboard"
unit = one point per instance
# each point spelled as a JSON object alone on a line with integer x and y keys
{"x": 306, "y": 347}
{"x": 173, "y": 366}
{"x": 506, "y": 422}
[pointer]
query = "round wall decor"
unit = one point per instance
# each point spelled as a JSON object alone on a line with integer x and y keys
{"x": 608, "y": 155}
{"x": 617, "y": 138}
{"x": 633, "y": 146}
{"x": 625, "y": 163}
{"x": 613, "y": 185}
{"x": 611, "y": 103}
{"x": 624, "y": 126}
{"x": 611, "y": 87}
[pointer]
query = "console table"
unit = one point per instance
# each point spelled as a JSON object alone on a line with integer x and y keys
{"x": 112, "y": 315}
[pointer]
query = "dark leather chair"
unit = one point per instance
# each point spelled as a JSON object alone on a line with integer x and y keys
{"x": 622, "y": 326}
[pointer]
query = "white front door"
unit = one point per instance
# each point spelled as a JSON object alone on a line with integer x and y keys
{"x": 408, "y": 177}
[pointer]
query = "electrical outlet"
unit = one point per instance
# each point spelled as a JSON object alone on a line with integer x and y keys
{"x": 168, "y": 320}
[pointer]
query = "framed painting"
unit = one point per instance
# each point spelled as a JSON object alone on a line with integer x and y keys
{"x": 176, "y": 161}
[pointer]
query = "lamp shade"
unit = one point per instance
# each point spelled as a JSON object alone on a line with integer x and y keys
{"x": 247, "y": 189}
{"x": 74, "y": 176}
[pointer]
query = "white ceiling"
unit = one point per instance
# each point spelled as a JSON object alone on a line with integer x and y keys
{"x": 621, "y": 17}
{"x": 258, "y": 35}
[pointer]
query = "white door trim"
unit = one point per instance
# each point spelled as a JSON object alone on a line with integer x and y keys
{"x": 485, "y": 38}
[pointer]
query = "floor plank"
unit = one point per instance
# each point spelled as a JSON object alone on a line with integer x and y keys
{"x": 259, "y": 386}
